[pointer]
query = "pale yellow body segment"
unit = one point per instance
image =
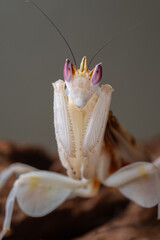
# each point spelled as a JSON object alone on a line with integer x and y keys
{"x": 79, "y": 119}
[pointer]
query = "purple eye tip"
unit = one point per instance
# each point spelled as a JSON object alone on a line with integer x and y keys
{"x": 97, "y": 74}
{"x": 67, "y": 71}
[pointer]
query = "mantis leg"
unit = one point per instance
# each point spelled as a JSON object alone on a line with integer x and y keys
{"x": 139, "y": 182}
{"x": 16, "y": 168}
{"x": 90, "y": 190}
{"x": 63, "y": 129}
{"x": 39, "y": 193}
{"x": 9, "y": 211}
{"x": 93, "y": 140}
{"x": 62, "y": 121}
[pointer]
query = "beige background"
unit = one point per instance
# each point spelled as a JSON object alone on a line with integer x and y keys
{"x": 32, "y": 55}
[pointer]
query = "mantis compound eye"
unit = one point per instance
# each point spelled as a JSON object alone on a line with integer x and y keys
{"x": 67, "y": 71}
{"x": 97, "y": 74}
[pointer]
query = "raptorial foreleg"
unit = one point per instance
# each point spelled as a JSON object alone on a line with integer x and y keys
{"x": 94, "y": 134}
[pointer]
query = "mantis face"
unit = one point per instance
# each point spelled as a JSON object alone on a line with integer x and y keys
{"x": 81, "y": 83}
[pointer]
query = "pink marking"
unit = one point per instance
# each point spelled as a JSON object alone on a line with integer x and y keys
{"x": 67, "y": 71}
{"x": 97, "y": 74}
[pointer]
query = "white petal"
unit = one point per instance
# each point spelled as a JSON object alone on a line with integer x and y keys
{"x": 138, "y": 182}
{"x": 39, "y": 193}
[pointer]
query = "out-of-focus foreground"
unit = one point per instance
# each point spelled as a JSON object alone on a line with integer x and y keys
{"x": 107, "y": 216}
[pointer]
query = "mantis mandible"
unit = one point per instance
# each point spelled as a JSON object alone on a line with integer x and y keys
{"x": 93, "y": 147}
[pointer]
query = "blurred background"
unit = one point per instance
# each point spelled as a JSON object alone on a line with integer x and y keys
{"x": 32, "y": 56}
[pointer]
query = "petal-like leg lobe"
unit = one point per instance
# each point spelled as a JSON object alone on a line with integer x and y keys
{"x": 139, "y": 182}
{"x": 39, "y": 193}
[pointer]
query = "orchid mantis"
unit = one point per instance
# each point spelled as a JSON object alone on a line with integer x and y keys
{"x": 92, "y": 146}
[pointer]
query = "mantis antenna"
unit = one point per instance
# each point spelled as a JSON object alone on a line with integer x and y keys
{"x": 58, "y": 30}
{"x": 112, "y": 39}
{"x": 54, "y": 25}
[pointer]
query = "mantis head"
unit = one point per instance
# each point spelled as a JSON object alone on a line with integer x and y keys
{"x": 81, "y": 83}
